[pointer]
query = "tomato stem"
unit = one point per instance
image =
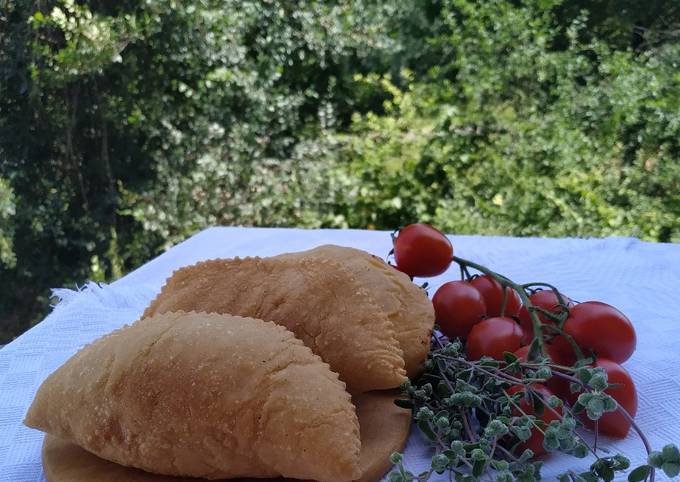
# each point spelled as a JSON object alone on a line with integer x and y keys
{"x": 561, "y": 301}
{"x": 570, "y": 339}
{"x": 507, "y": 282}
{"x": 504, "y": 303}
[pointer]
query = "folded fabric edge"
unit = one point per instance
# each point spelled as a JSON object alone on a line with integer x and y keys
{"x": 103, "y": 295}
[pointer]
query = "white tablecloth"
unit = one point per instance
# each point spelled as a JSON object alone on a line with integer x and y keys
{"x": 642, "y": 279}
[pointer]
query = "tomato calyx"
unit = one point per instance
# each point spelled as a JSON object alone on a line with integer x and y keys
{"x": 500, "y": 300}
{"x": 551, "y": 306}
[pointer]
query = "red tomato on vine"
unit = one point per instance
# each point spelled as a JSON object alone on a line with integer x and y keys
{"x": 492, "y": 292}
{"x": 492, "y": 337}
{"x": 421, "y": 250}
{"x": 458, "y": 306}
{"x": 602, "y": 329}
{"x": 546, "y": 299}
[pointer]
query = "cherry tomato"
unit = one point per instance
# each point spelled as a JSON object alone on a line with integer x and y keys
{"x": 492, "y": 337}
{"x": 492, "y": 292}
{"x": 613, "y": 423}
{"x": 535, "y": 442}
{"x": 457, "y": 307}
{"x": 421, "y": 250}
{"x": 546, "y": 299}
{"x": 603, "y": 329}
{"x": 564, "y": 351}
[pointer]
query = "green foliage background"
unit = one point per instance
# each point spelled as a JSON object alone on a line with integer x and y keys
{"x": 126, "y": 126}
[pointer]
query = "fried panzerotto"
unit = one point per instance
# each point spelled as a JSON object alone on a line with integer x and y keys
{"x": 407, "y": 305}
{"x": 323, "y": 302}
{"x": 204, "y": 395}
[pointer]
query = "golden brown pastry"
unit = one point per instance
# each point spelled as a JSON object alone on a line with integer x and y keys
{"x": 320, "y": 300}
{"x": 384, "y": 430}
{"x": 204, "y": 395}
{"x": 407, "y": 305}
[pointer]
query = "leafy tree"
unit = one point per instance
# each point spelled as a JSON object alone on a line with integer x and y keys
{"x": 127, "y": 126}
{"x": 525, "y": 139}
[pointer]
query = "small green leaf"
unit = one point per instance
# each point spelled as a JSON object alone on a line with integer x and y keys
{"x": 555, "y": 402}
{"x": 598, "y": 382}
{"x": 395, "y": 477}
{"x": 584, "y": 374}
{"x": 522, "y": 433}
{"x": 639, "y": 474}
{"x": 504, "y": 476}
{"x": 620, "y": 462}
{"x": 509, "y": 357}
{"x": 450, "y": 454}
{"x": 478, "y": 454}
{"x": 566, "y": 427}
{"x": 655, "y": 459}
{"x": 567, "y": 444}
{"x": 544, "y": 373}
{"x": 551, "y": 442}
{"x": 426, "y": 430}
{"x": 588, "y": 477}
{"x": 580, "y": 451}
{"x": 577, "y": 407}
{"x": 526, "y": 455}
{"x": 458, "y": 447}
{"x": 478, "y": 467}
{"x": 671, "y": 469}
{"x": 441, "y": 422}
{"x": 595, "y": 408}
{"x": 495, "y": 428}
{"x": 402, "y": 403}
{"x": 443, "y": 389}
{"x": 607, "y": 474}
{"x": 489, "y": 363}
{"x": 425, "y": 414}
{"x": 610, "y": 404}
{"x": 670, "y": 453}
{"x": 439, "y": 463}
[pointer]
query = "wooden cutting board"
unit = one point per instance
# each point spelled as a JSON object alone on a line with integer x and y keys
{"x": 384, "y": 429}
